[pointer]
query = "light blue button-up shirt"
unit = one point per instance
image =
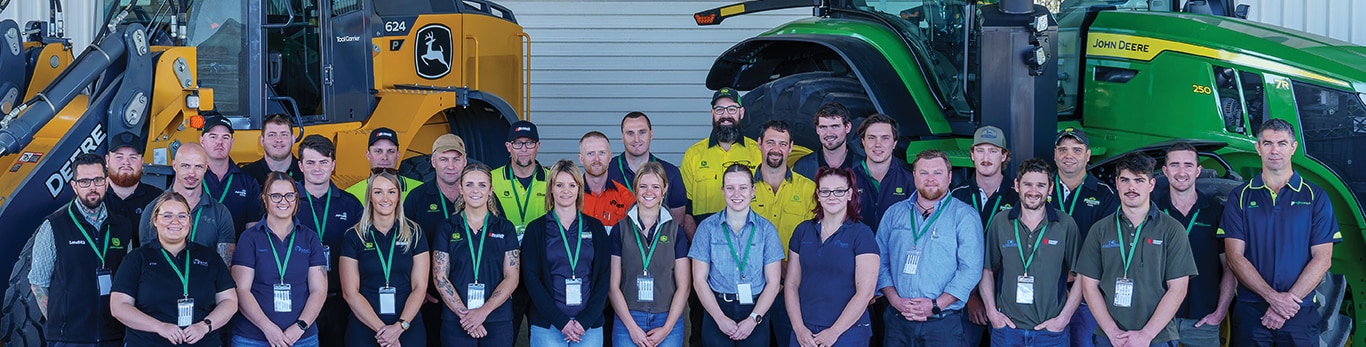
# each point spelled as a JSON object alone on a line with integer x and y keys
{"x": 709, "y": 245}
{"x": 951, "y": 251}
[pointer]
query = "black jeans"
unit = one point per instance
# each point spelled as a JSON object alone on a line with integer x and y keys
{"x": 713, "y": 337}
{"x": 945, "y": 331}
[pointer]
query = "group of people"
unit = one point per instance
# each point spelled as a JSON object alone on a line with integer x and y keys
{"x": 834, "y": 249}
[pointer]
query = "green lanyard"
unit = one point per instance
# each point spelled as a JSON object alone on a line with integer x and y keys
{"x": 876, "y": 184}
{"x": 226, "y": 187}
{"x": 621, "y": 164}
{"x": 994, "y": 207}
{"x": 514, "y": 182}
{"x": 740, "y": 262}
{"x": 917, "y": 233}
{"x": 194, "y": 225}
{"x": 322, "y": 225}
{"x": 98, "y": 252}
{"x": 289, "y": 252}
{"x": 1067, "y": 210}
{"x": 442, "y": 197}
{"x": 477, "y": 257}
{"x": 386, "y": 265}
{"x": 646, "y": 256}
{"x": 578, "y": 250}
{"x": 1020, "y": 245}
{"x": 1128, "y": 258}
{"x": 185, "y": 276}
{"x": 1188, "y": 225}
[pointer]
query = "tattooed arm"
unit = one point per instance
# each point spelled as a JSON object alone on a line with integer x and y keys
{"x": 440, "y": 271}
{"x": 512, "y": 271}
{"x": 225, "y": 251}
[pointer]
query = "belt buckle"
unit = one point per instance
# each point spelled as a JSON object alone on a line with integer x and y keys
{"x": 728, "y": 297}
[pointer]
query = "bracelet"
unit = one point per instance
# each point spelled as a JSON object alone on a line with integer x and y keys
{"x": 208, "y": 323}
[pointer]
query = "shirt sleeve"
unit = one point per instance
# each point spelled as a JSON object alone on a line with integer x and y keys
{"x": 146, "y": 233}
{"x": 678, "y": 193}
{"x": 884, "y": 245}
{"x": 226, "y": 234}
{"x": 129, "y": 274}
{"x": 1325, "y": 225}
{"x": 441, "y": 239}
{"x": 681, "y": 244}
{"x": 969, "y": 271}
{"x": 701, "y": 244}
{"x": 794, "y": 242}
{"x": 246, "y": 250}
{"x": 351, "y": 245}
{"x": 616, "y": 237}
{"x": 317, "y": 257}
{"x": 990, "y": 249}
{"x": 1231, "y": 225}
{"x": 863, "y": 240}
{"x": 420, "y": 243}
{"x": 1088, "y": 261}
{"x": 1180, "y": 261}
{"x": 1072, "y": 236}
{"x": 44, "y": 254}
{"x": 255, "y": 207}
{"x": 773, "y": 246}
{"x": 222, "y": 277}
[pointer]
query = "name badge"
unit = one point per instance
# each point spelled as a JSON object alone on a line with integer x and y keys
{"x": 386, "y": 300}
{"x": 573, "y": 292}
{"x": 912, "y": 262}
{"x": 102, "y": 277}
{"x": 184, "y": 312}
{"x": 474, "y": 295}
{"x": 327, "y": 253}
{"x": 745, "y": 293}
{"x": 521, "y": 230}
{"x": 645, "y": 288}
{"x": 283, "y": 303}
{"x": 1124, "y": 292}
{"x": 1024, "y": 290}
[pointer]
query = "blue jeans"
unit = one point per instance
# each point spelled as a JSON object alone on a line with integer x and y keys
{"x": 859, "y": 335}
{"x": 238, "y": 341}
{"x": 85, "y": 344}
{"x": 1028, "y": 337}
{"x": 1204, "y": 336}
{"x": 1102, "y": 341}
{"x": 550, "y": 337}
{"x": 936, "y": 332}
{"x": 647, "y": 321}
{"x": 1082, "y": 326}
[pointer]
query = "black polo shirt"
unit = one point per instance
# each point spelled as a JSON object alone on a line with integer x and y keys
{"x": 875, "y": 197}
{"x": 811, "y": 164}
{"x": 258, "y": 170}
{"x": 146, "y": 276}
{"x": 330, "y": 215}
{"x": 677, "y": 196}
{"x": 1203, "y": 295}
{"x": 1004, "y": 198}
{"x": 1162, "y": 254}
{"x": 237, "y": 191}
{"x": 1058, "y": 242}
{"x": 131, "y": 208}
{"x": 366, "y": 253}
{"x": 1092, "y": 201}
{"x": 426, "y": 206}
{"x": 460, "y": 244}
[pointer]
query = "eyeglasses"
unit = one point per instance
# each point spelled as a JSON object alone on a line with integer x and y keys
{"x": 380, "y": 170}
{"x": 282, "y": 197}
{"x": 836, "y": 192}
{"x": 87, "y": 182}
{"x": 732, "y": 109}
{"x": 524, "y": 144}
{"x": 178, "y": 217}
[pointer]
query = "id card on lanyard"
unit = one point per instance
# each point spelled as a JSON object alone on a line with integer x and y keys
{"x": 645, "y": 283}
{"x": 573, "y": 286}
{"x": 102, "y": 275}
{"x": 912, "y": 265}
{"x": 184, "y": 306}
{"x": 1124, "y": 286}
{"x": 474, "y": 292}
{"x": 744, "y": 291}
{"x": 387, "y": 294}
{"x": 1024, "y": 284}
{"x": 283, "y": 300}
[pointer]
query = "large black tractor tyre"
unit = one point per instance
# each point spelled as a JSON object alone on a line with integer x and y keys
{"x": 484, "y": 130}
{"x": 23, "y": 321}
{"x": 795, "y": 99}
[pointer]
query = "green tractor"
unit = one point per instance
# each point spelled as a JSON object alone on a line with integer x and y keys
{"x": 1134, "y": 74}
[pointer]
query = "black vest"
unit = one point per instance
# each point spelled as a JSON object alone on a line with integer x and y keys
{"x": 76, "y": 311}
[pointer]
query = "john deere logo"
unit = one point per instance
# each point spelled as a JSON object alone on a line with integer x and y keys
{"x": 796, "y": 198}
{"x": 664, "y": 238}
{"x": 507, "y": 193}
{"x": 455, "y": 237}
{"x": 116, "y": 242}
{"x": 704, "y": 164}
{"x": 898, "y": 191}
{"x": 433, "y": 51}
{"x": 369, "y": 245}
{"x": 431, "y": 208}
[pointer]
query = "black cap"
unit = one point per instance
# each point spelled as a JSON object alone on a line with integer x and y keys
{"x": 215, "y": 120}
{"x": 523, "y": 129}
{"x": 726, "y": 92}
{"x": 383, "y": 134}
{"x": 125, "y": 139}
{"x": 1075, "y": 133}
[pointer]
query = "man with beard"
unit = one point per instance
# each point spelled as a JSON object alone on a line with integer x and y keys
{"x": 520, "y": 187}
{"x": 832, "y": 127}
{"x": 1142, "y": 259}
{"x": 987, "y": 192}
{"x": 225, "y": 182}
{"x": 1278, "y": 232}
{"x": 328, "y": 210}
{"x": 605, "y": 199}
{"x": 211, "y": 224}
{"x": 784, "y": 198}
{"x": 430, "y": 204}
{"x": 75, "y": 252}
{"x": 130, "y": 195}
{"x": 383, "y": 155}
{"x": 277, "y": 137}
{"x": 1026, "y": 298}
{"x": 931, "y": 248}
{"x": 1084, "y": 198}
{"x": 1207, "y": 302}
{"x": 636, "y": 135}
{"x": 882, "y": 180}
{"x": 704, "y": 161}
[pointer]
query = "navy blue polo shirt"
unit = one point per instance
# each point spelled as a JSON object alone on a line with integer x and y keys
{"x": 330, "y": 215}
{"x": 1092, "y": 201}
{"x": 258, "y": 249}
{"x": 237, "y": 191}
{"x": 875, "y": 197}
{"x": 557, "y": 258}
{"x": 811, "y": 164}
{"x": 259, "y": 170}
{"x": 677, "y": 196}
{"x": 1279, "y": 228}
{"x": 828, "y": 269}
{"x": 459, "y": 243}
{"x": 1003, "y": 199}
{"x": 1202, "y": 297}
{"x": 426, "y": 206}
{"x": 366, "y": 253}
{"x": 155, "y": 287}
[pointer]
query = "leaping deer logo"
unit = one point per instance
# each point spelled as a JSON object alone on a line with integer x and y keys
{"x": 434, "y": 54}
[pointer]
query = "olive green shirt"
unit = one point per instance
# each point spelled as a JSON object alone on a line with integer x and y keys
{"x": 1163, "y": 254}
{"x": 1058, "y": 242}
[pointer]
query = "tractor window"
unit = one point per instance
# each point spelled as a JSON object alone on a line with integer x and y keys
{"x": 341, "y": 7}
{"x": 1254, "y": 98}
{"x": 1230, "y": 100}
{"x": 217, "y": 30}
{"x": 1334, "y": 126}
{"x": 940, "y": 28}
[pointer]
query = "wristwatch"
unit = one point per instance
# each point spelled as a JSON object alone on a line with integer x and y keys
{"x": 758, "y": 318}
{"x": 301, "y": 324}
{"x": 403, "y": 324}
{"x": 936, "y": 310}
{"x": 208, "y": 323}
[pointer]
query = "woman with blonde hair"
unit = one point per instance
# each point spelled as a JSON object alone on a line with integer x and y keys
{"x": 475, "y": 253}
{"x": 384, "y": 270}
{"x": 568, "y": 257}
{"x": 651, "y": 274}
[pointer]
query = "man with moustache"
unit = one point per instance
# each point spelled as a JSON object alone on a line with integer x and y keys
{"x": 75, "y": 253}
{"x": 832, "y": 127}
{"x": 430, "y": 204}
{"x": 520, "y": 187}
{"x": 1031, "y": 250}
{"x": 604, "y": 199}
{"x": 328, "y": 210}
{"x": 882, "y": 180}
{"x": 1084, "y": 198}
{"x": 989, "y": 192}
{"x": 704, "y": 161}
{"x": 383, "y": 155}
{"x": 211, "y": 224}
{"x": 1207, "y": 302}
{"x": 277, "y": 137}
{"x": 225, "y": 182}
{"x": 784, "y": 198}
{"x": 130, "y": 195}
{"x": 931, "y": 248}
{"x": 1135, "y": 264}
{"x": 636, "y": 135}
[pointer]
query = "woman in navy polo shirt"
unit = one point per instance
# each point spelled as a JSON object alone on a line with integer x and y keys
{"x": 384, "y": 260}
{"x": 475, "y": 266}
{"x": 172, "y": 292}
{"x": 827, "y": 293}
{"x": 650, "y": 269}
{"x": 281, "y": 274}
{"x": 568, "y": 263}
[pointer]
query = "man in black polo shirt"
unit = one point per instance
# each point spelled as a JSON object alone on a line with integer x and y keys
{"x": 832, "y": 129}
{"x": 1135, "y": 265}
{"x": 329, "y": 211}
{"x": 1207, "y": 301}
{"x": 277, "y": 137}
{"x": 1084, "y": 198}
{"x": 225, "y": 182}
{"x": 130, "y": 195}
{"x": 988, "y": 191}
{"x": 430, "y": 205}
{"x": 75, "y": 252}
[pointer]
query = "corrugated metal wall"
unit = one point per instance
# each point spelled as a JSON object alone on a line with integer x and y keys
{"x": 1333, "y": 18}
{"x": 80, "y": 17}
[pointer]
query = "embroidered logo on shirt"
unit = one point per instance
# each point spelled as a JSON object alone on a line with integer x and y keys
{"x": 1092, "y": 202}
{"x": 1009, "y": 244}
{"x": 341, "y": 216}
{"x": 241, "y": 193}
{"x": 898, "y": 191}
{"x": 496, "y": 236}
{"x": 1006, "y": 207}
{"x": 201, "y": 263}
{"x": 117, "y": 244}
{"x": 1155, "y": 242}
{"x": 796, "y": 198}
{"x": 1295, "y": 203}
{"x": 1253, "y": 204}
{"x": 704, "y": 164}
{"x": 431, "y": 208}
{"x": 664, "y": 238}
{"x": 1110, "y": 244}
{"x": 369, "y": 245}
{"x": 76, "y": 242}
{"x": 455, "y": 237}
{"x": 1050, "y": 242}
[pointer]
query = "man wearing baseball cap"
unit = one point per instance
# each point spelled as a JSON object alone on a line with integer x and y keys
{"x": 128, "y": 194}
{"x": 383, "y": 155}
{"x": 986, "y": 192}
{"x": 520, "y": 188}
{"x": 431, "y": 204}
{"x": 225, "y": 182}
{"x": 1084, "y": 198}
